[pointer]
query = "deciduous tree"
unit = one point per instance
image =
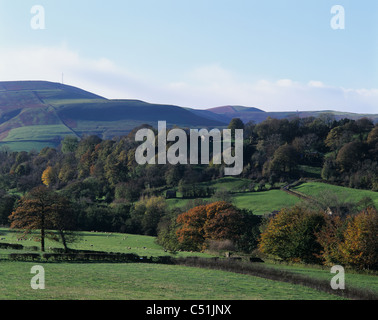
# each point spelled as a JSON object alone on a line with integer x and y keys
{"x": 44, "y": 210}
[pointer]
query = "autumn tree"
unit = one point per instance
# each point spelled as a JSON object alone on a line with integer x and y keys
{"x": 191, "y": 234}
{"x": 42, "y": 209}
{"x": 291, "y": 235}
{"x": 330, "y": 236}
{"x": 48, "y": 176}
{"x": 360, "y": 246}
{"x": 372, "y": 138}
{"x": 216, "y": 221}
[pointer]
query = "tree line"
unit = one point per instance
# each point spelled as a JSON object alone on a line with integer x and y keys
{"x": 106, "y": 190}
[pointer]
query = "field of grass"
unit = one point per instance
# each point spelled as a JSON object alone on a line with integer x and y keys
{"x": 104, "y": 281}
{"x": 149, "y": 281}
{"x": 18, "y": 146}
{"x": 318, "y": 189}
{"x": 29, "y": 138}
{"x": 268, "y": 201}
{"x": 70, "y": 281}
{"x": 352, "y": 278}
{"x": 228, "y": 183}
{"x": 258, "y": 202}
{"x": 38, "y": 133}
{"x": 100, "y": 241}
{"x": 264, "y": 202}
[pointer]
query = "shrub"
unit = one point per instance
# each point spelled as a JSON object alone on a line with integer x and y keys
{"x": 24, "y": 256}
{"x": 11, "y": 246}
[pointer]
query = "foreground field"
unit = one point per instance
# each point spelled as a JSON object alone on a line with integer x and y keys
{"x": 69, "y": 281}
{"x": 151, "y": 281}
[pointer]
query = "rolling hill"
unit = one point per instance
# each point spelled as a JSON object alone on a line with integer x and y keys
{"x": 36, "y": 114}
{"x": 253, "y": 114}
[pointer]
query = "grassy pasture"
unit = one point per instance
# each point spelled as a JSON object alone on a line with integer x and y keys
{"x": 367, "y": 281}
{"x": 318, "y": 189}
{"x": 18, "y": 146}
{"x": 264, "y": 202}
{"x": 259, "y": 202}
{"x": 70, "y": 281}
{"x": 99, "y": 241}
{"x": 38, "y": 133}
{"x": 145, "y": 281}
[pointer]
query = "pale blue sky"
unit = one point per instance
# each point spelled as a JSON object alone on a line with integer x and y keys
{"x": 280, "y": 54}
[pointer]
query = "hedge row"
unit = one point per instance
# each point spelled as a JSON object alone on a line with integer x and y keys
{"x": 24, "y": 257}
{"x": 11, "y": 246}
{"x": 89, "y": 257}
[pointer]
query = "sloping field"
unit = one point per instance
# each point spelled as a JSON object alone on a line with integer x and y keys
{"x": 265, "y": 202}
{"x": 318, "y": 189}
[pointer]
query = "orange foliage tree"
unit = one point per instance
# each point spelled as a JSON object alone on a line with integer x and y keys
{"x": 330, "y": 237}
{"x": 216, "y": 221}
{"x": 360, "y": 246}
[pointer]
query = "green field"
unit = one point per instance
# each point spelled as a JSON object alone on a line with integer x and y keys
{"x": 119, "y": 281}
{"x": 70, "y": 281}
{"x": 38, "y": 133}
{"x": 318, "y": 189}
{"x": 259, "y": 203}
{"x": 151, "y": 281}
{"x": 265, "y": 202}
{"x": 36, "y": 137}
{"x": 136, "y": 281}
{"x": 352, "y": 279}
{"x": 18, "y": 146}
{"x": 99, "y": 241}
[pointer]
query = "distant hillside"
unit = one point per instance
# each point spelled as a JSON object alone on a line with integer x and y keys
{"x": 253, "y": 114}
{"x": 233, "y": 110}
{"x": 35, "y": 114}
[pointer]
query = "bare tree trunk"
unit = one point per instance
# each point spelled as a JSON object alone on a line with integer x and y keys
{"x": 61, "y": 232}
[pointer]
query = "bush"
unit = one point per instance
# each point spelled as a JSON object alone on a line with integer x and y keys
{"x": 11, "y": 246}
{"x": 24, "y": 256}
